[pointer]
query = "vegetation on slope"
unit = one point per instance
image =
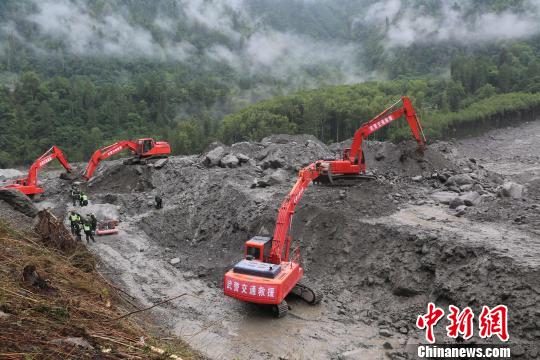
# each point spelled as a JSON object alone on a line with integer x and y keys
{"x": 69, "y": 310}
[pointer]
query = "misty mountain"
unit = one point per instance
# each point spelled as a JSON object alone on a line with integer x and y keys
{"x": 86, "y": 72}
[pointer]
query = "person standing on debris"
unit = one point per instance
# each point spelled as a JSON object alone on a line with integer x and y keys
{"x": 78, "y": 227}
{"x": 93, "y": 223}
{"x": 88, "y": 232}
{"x": 73, "y": 220}
{"x": 84, "y": 199}
{"x": 75, "y": 194}
{"x": 159, "y": 201}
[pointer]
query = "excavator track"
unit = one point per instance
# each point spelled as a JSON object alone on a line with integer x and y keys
{"x": 342, "y": 180}
{"x": 307, "y": 293}
{"x": 280, "y": 310}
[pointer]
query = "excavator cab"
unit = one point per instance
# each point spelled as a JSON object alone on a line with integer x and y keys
{"x": 145, "y": 145}
{"x": 258, "y": 248}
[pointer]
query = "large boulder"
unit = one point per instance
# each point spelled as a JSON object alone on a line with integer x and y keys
{"x": 461, "y": 179}
{"x": 470, "y": 198}
{"x": 230, "y": 161}
{"x": 279, "y": 176}
{"x": 19, "y": 201}
{"x": 213, "y": 157}
{"x": 444, "y": 197}
{"x": 512, "y": 190}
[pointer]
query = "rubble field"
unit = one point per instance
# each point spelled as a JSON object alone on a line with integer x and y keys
{"x": 459, "y": 225}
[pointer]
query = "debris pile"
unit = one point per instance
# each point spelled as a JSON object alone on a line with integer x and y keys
{"x": 379, "y": 249}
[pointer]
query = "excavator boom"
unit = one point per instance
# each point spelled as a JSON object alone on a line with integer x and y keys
{"x": 142, "y": 148}
{"x": 29, "y": 185}
{"x": 267, "y": 275}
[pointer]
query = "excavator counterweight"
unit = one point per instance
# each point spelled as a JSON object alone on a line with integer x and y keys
{"x": 29, "y": 184}
{"x": 267, "y": 275}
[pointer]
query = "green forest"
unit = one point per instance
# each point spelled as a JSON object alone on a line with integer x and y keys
{"x": 187, "y": 80}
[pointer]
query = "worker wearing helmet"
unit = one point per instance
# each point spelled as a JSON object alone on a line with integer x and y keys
{"x": 74, "y": 218}
{"x": 84, "y": 199}
{"x": 93, "y": 222}
{"x": 87, "y": 227}
{"x": 75, "y": 194}
{"x": 77, "y": 230}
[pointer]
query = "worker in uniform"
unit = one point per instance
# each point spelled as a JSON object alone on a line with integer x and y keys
{"x": 87, "y": 227}
{"x": 159, "y": 201}
{"x": 78, "y": 226}
{"x": 73, "y": 220}
{"x": 75, "y": 194}
{"x": 93, "y": 223}
{"x": 83, "y": 199}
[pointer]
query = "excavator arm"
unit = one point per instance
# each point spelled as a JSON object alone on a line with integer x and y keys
{"x": 29, "y": 185}
{"x": 51, "y": 154}
{"x": 349, "y": 164}
{"x": 105, "y": 153}
{"x": 268, "y": 279}
{"x": 286, "y": 211}
{"x": 355, "y": 154}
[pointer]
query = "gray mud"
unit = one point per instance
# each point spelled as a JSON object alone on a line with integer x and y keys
{"x": 379, "y": 250}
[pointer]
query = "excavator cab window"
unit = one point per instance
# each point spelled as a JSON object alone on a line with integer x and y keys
{"x": 258, "y": 248}
{"x": 147, "y": 145}
{"x": 253, "y": 253}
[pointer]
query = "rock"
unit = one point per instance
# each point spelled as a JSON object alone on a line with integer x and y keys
{"x": 242, "y": 158}
{"x": 512, "y": 190}
{"x": 385, "y": 332}
{"x": 342, "y": 194}
{"x": 110, "y": 198}
{"x": 160, "y": 163}
{"x": 406, "y": 284}
{"x": 75, "y": 341}
{"x": 466, "y": 187}
{"x": 387, "y": 345}
{"x": 478, "y": 188}
{"x": 417, "y": 178}
{"x": 174, "y": 261}
{"x": 31, "y": 277}
{"x": 457, "y": 201}
{"x": 213, "y": 157}
{"x": 403, "y": 330}
{"x": 460, "y": 210}
{"x": 444, "y": 197}
{"x": 229, "y": 161}
{"x": 380, "y": 156}
{"x": 461, "y": 179}
{"x": 19, "y": 202}
{"x": 279, "y": 176}
{"x": 442, "y": 177}
{"x": 138, "y": 170}
{"x": 3, "y": 315}
{"x": 470, "y": 198}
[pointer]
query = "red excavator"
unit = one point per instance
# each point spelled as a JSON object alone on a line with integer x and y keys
{"x": 143, "y": 149}
{"x": 29, "y": 185}
{"x": 266, "y": 275}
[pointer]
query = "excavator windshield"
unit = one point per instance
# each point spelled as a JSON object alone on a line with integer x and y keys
{"x": 147, "y": 145}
